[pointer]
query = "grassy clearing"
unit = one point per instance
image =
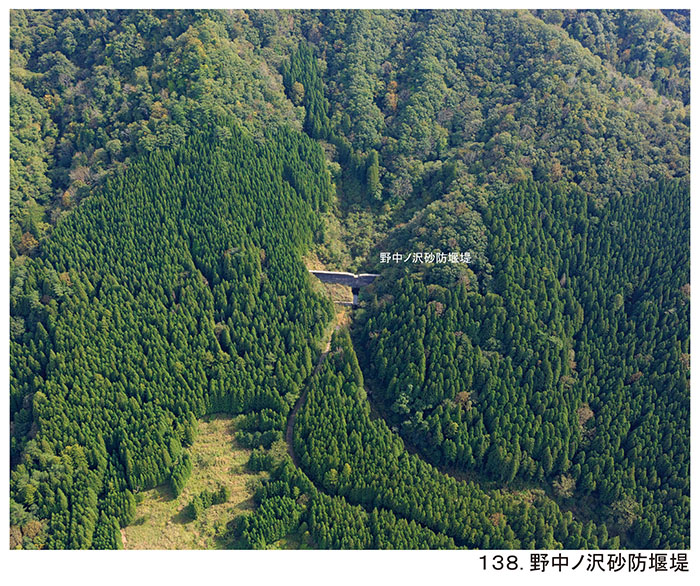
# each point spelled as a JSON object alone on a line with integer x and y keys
{"x": 161, "y": 522}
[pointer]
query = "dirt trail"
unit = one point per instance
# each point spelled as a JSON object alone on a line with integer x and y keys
{"x": 289, "y": 436}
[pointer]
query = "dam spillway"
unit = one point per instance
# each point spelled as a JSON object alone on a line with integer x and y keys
{"x": 347, "y": 279}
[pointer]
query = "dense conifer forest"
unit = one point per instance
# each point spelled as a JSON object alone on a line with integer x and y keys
{"x": 172, "y": 172}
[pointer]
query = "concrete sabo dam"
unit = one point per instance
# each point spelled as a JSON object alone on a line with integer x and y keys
{"x": 348, "y": 279}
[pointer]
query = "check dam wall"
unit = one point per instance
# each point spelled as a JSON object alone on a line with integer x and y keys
{"x": 348, "y": 279}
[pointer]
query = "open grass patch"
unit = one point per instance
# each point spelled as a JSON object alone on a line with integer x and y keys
{"x": 162, "y": 521}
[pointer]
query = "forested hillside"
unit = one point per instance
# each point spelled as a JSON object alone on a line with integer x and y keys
{"x": 348, "y": 453}
{"x": 571, "y": 369}
{"x": 170, "y": 172}
{"x": 176, "y": 291}
{"x": 90, "y": 90}
{"x": 640, "y": 43}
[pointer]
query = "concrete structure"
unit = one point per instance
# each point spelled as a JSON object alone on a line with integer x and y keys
{"x": 348, "y": 279}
